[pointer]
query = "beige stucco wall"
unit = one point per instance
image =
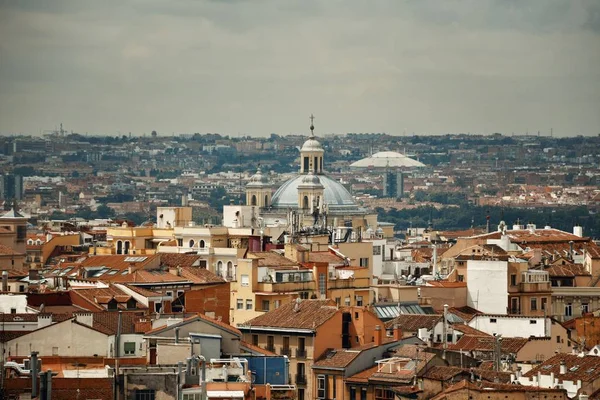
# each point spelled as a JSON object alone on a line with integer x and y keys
{"x": 67, "y": 339}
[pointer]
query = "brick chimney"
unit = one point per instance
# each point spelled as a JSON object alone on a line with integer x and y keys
{"x": 397, "y": 332}
{"x": 378, "y": 335}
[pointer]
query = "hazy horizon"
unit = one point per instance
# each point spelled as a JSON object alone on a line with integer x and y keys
{"x": 241, "y": 67}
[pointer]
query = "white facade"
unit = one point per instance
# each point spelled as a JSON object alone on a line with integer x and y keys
{"x": 139, "y": 348}
{"x": 512, "y": 326}
{"x": 14, "y": 304}
{"x": 238, "y": 216}
{"x": 487, "y": 285}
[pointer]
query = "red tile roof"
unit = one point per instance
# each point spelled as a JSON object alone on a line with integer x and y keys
{"x": 271, "y": 259}
{"x": 491, "y": 388}
{"x": 414, "y": 322}
{"x": 308, "y": 314}
{"x": 337, "y": 358}
{"x": 465, "y": 313}
{"x": 567, "y": 270}
{"x": 586, "y": 368}
{"x": 486, "y": 344}
{"x": 444, "y": 373}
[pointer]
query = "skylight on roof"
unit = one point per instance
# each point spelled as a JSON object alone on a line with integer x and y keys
{"x": 575, "y": 368}
{"x": 124, "y": 272}
{"x": 589, "y": 371}
{"x": 112, "y": 272}
{"x": 135, "y": 259}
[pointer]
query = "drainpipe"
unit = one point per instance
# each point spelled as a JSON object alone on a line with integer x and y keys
{"x": 204, "y": 393}
{"x": 179, "y": 383}
{"x": 46, "y": 385}
{"x": 118, "y": 335}
{"x": 34, "y": 372}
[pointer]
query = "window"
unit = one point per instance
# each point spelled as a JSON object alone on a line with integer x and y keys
{"x": 145, "y": 394}
{"x": 461, "y": 278}
{"x": 55, "y": 351}
{"x": 533, "y": 304}
{"x": 338, "y": 301}
{"x": 347, "y": 301}
{"x": 13, "y": 310}
{"x": 192, "y": 396}
{"x": 364, "y": 262}
{"x": 270, "y": 342}
{"x": 191, "y": 244}
{"x": 568, "y": 310}
{"x": 265, "y": 305}
{"x": 157, "y": 307}
{"x": 355, "y": 315}
{"x": 492, "y": 320}
{"x": 585, "y": 307}
{"x": 376, "y": 250}
{"x": 532, "y": 321}
{"x": 321, "y": 387}
{"x": 245, "y": 280}
{"x": 359, "y": 301}
{"x": 352, "y": 393}
{"x": 363, "y": 393}
{"x": 240, "y": 304}
{"x": 255, "y": 340}
{"x": 248, "y": 304}
{"x": 129, "y": 347}
{"x": 276, "y": 304}
{"x": 544, "y": 302}
{"x": 333, "y": 387}
{"x": 21, "y": 288}
{"x": 300, "y": 394}
{"x": 322, "y": 286}
{"x": 557, "y": 338}
{"x": 513, "y": 279}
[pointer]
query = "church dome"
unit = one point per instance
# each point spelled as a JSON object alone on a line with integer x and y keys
{"x": 311, "y": 180}
{"x": 312, "y": 145}
{"x": 335, "y": 194}
{"x": 258, "y": 180}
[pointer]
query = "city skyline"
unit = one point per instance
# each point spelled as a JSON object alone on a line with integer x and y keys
{"x": 247, "y": 68}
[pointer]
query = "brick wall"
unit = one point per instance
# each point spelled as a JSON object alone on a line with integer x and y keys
{"x": 213, "y": 299}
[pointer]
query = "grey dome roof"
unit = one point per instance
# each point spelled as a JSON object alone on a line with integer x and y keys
{"x": 312, "y": 145}
{"x": 335, "y": 194}
{"x": 311, "y": 180}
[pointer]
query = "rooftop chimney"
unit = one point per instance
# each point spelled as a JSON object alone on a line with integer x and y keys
{"x": 578, "y": 231}
{"x": 397, "y": 332}
{"x": 563, "y": 368}
{"x": 378, "y": 335}
{"x": 5, "y": 281}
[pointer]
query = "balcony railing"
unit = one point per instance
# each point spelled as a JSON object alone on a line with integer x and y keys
{"x": 300, "y": 379}
{"x": 300, "y": 353}
{"x": 285, "y": 286}
{"x": 270, "y": 348}
{"x": 285, "y": 351}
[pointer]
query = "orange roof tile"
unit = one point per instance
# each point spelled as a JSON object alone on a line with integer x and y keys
{"x": 309, "y": 315}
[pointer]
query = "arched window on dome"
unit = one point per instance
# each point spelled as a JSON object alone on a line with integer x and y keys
{"x": 266, "y": 200}
{"x": 305, "y": 169}
{"x": 219, "y": 270}
{"x": 253, "y": 200}
{"x": 321, "y": 166}
{"x": 316, "y": 164}
{"x": 192, "y": 243}
{"x": 119, "y": 247}
{"x": 305, "y": 202}
{"x": 202, "y": 244}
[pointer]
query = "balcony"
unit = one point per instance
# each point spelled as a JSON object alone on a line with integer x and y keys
{"x": 298, "y": 286}
{"x": 300, "y": 379}
{"x": 348, "y": 283}
{"x": 535, "y": 281}
{"x": 285, "y": 351}
{"x": 270, "y": 348}
{"x": 300, "y": 353}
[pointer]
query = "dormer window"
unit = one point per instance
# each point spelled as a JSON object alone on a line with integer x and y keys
{"x": 112, "y": 305}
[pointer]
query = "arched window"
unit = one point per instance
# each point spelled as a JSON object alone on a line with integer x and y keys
{"x": 219, "y": 270}
{"x": 305, "y": 202}
{"x": 266, "y": 200}
{"x": 127, "y": 245}
{"x": 119, "y": 247}
{"x": 253, "y": 200}
{"x": 229, "y": 270}
{"x": 202, "y": 244}
{"x": 192, "y": 243}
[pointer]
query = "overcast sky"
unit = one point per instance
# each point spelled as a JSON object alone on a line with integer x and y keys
{"x": 256, "y": 67}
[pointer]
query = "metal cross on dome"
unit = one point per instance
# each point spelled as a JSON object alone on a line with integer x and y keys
{"x": 312, "y": 126}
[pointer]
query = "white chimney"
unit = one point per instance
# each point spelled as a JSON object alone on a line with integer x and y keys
{"x": 578, "y": 230}
{"x": 563, "y": 368}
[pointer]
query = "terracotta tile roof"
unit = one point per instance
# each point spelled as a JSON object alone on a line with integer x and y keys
{"x": 538, "y": 236}
{"x": 488, "y": 365}
{"x": 173, "y": 260}
{"x": 465, "y": 313}
{"x": 490, "y": 388}
{"x": 467, "y": 330}
{"x": 18, "y": 317}
{"x": 486, "y": 344}
{"x": 6, "y": 336}
{"x": 444, "y": 373}
{"x": 142, "y": 291}
{"x": 193, "y": 318}
{"x": 271, "y": 259}
{"x": 567, "y": 270}
{"x": 414, "y": 322}
{"x": 310, "y": 314}
{"x": 363, "y": 376}
{"x": 200, "y": 275}
{"x": 586, "y": 368}
{"x": 256, "y": 349}
{"x": 109, "y": 322}
{"x": 105, "y": 295}
{"x": 148, "y": 276}
{"x": 16, "y": 273}
{"x": 324, "y": 256}
{"x": 119, "y": 262}
{"x": 337, "y": 358}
